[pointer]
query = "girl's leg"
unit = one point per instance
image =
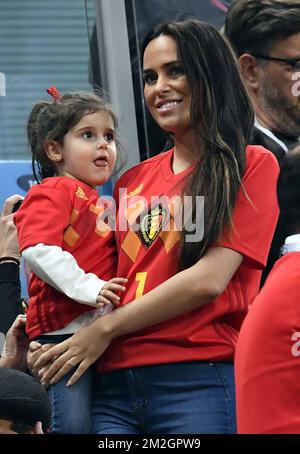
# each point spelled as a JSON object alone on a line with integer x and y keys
{"x": 113, "y": 409}
{"x": 71, "y": 407}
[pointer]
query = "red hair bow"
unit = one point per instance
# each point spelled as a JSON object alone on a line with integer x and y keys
{"x": 56, "y": 95}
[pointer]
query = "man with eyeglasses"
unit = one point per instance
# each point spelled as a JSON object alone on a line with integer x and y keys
{"x": 265, "y": 35}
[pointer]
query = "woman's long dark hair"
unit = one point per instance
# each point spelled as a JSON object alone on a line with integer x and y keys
{"x": 223, "y": 119}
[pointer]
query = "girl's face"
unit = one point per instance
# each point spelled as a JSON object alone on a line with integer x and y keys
{"x": 167, "y": 90}
{"x": 89, "y": 150}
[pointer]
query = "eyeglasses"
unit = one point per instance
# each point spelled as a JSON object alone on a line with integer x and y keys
{"x": 294, "y": 63}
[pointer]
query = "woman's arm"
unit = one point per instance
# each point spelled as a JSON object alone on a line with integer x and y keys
{"x": 10, "y": 288}
{"x": 182, "y": 293}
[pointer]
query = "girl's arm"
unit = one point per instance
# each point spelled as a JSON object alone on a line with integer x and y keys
{"x": 184, "y": 292}
{"x": 61, "y": 271}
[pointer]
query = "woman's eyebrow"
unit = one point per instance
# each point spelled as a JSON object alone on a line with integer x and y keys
{"x": 165, "y": 65}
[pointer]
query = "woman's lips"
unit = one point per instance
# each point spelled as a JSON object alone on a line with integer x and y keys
{"x": 167, "y": 105}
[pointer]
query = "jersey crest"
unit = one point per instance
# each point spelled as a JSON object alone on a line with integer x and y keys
{"x": 151, "y": 223}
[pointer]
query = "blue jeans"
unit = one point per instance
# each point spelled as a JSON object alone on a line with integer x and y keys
{"x": 71, "y": 407}
{"x": 181, "y": 398}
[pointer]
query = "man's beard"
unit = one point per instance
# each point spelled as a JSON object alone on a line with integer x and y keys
{"x": 284, "y": 114}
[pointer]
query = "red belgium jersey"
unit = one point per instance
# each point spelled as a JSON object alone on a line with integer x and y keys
{"x": 62, "y": 211}
{"x": 148, "y": 243}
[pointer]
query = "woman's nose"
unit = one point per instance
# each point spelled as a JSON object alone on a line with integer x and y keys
{"x": 162, "y": 85}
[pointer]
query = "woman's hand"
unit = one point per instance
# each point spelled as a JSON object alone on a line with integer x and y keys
{"x": 34, "y": 353}
{"x": 82, "y": 350}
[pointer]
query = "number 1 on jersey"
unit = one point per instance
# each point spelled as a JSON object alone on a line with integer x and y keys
{"x": 141, "y": 279}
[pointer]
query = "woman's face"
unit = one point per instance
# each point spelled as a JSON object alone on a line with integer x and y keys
{"x": 167, "y": 90}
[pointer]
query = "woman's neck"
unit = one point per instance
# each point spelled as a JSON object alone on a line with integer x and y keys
{"x": 186, "y": 153}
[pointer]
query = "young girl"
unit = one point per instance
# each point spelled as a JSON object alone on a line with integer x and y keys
{"x": 71, "y": 253}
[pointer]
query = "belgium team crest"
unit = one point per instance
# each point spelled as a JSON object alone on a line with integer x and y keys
{"x": 151, "y": 224}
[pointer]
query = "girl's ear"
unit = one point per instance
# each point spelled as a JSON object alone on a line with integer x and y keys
{"x": 53, "y": 150}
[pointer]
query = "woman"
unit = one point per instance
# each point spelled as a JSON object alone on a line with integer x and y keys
{"x": 168, "y": 368}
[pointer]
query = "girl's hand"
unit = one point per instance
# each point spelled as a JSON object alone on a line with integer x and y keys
{"x": 82, "y": 350}
{"x": 109, "y": 292}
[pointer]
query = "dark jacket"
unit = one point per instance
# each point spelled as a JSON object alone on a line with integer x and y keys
{"x": 260, "y": 138}
{"x": 10, "y": 295}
